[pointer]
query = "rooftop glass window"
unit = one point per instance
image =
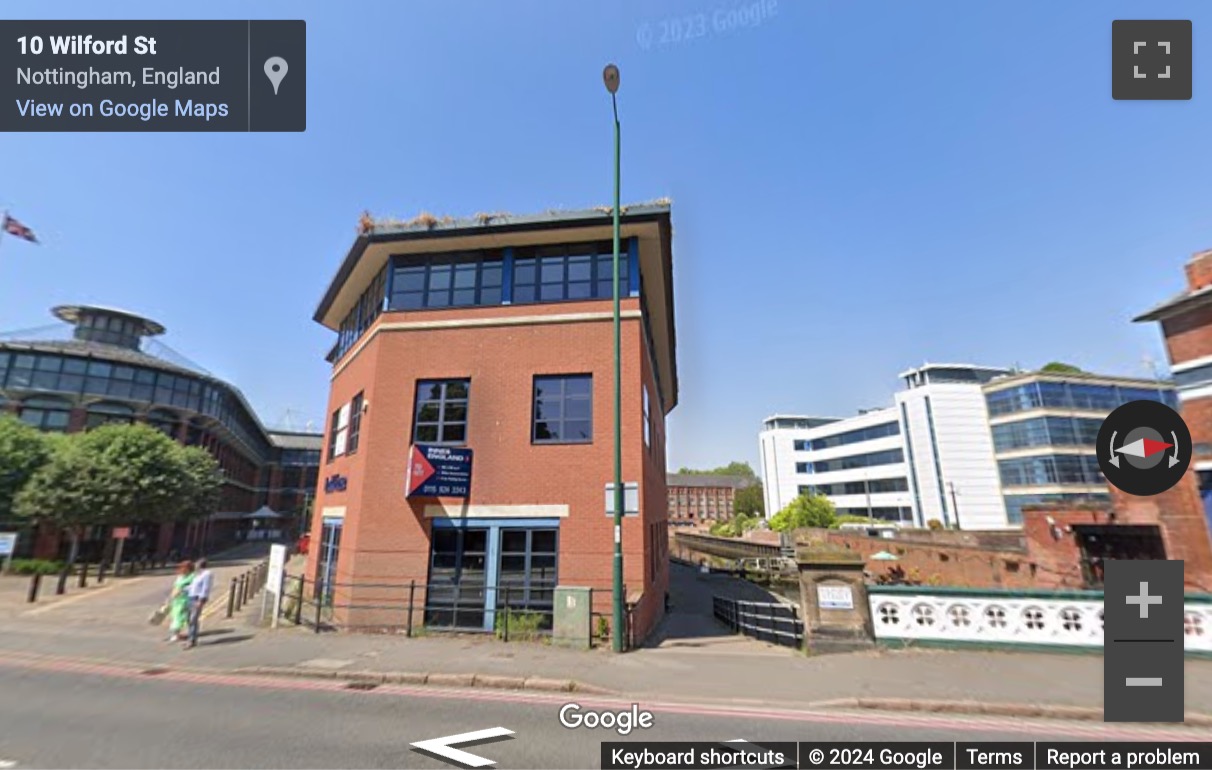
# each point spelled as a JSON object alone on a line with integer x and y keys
{"x": 446, "y": 280}
{"x": 568, "y": 272}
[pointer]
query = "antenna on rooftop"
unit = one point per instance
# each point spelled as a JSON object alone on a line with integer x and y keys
{"x": 1152, "y": 366}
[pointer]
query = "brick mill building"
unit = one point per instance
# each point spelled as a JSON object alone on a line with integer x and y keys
{"x": 695, "y": 498}
{"x": 494, "y": 335}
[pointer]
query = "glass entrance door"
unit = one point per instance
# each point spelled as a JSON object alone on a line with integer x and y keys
{"x": 527, "y": 573}
{"x": 330, "y": 548}
{"x": 457, "y": 578}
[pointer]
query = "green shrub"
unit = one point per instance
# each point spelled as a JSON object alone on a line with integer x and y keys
{"x": 603, "y": 627}
{"x": 36, "y": 567}
{"x": 523, "y": 626}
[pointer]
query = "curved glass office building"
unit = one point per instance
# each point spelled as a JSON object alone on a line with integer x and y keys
{"x": 111, "y": 370}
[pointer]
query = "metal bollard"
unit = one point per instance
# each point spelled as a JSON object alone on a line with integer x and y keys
{"x": 240, "y": 595}
{"x": 506, "y": 622}
{"x": 319, "y": 609}
{"x": 34, "y": 583}
{"x": 299, "y": 602}
{"x": 231, "y": 599}
{"x": 101, "y": 572}
{"x": 412, "y": 593}
{"x": 248, "y": 587}
{"x": 61, "y": 588}
{"x": 83, "y": 582}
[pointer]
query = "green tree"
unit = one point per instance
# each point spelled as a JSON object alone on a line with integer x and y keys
{"x": 203, "y": 483}
{"x": 750, "y": 500}
{"x": 731, "y": 469}
{"x": 23, "y": 450}
{"x": 1060, "y": 367}
{"x": 118, "y": 475}
{"x": 805, "y": 511}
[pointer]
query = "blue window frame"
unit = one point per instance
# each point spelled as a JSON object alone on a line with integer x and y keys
{"x": 563, "y": 409}
{"x": 446, "y": 280}
{"x": 568, "y": 272}
{"x": 473, "y": 561}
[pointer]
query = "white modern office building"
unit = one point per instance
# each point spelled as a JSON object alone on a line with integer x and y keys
{"x": 907, "y": 463}
{"x": 936, "y": 454}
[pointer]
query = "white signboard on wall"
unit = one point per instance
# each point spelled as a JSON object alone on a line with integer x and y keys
{"x": 834, "y": 597}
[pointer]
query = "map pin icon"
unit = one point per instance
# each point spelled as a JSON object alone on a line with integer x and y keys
{"x": 275, "y": 70}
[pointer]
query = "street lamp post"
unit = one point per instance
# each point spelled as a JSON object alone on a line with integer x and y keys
{"x": 955, "y": 505}
{"x": 610, "y": 76}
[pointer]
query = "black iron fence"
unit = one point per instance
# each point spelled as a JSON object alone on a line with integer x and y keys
{"x": 512, "y": 613}
{"x": 773, "y": 622}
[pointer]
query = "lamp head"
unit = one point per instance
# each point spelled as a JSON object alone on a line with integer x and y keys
{"x": 610, "y": 76}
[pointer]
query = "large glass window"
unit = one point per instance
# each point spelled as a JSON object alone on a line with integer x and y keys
{"x": 568, "y": 272}
{"x": 887, "y": 457}
{"x": 855, "y": 436}
{"x": 527, "y": 575}
{"x": 46, "y": 413}
{"x": 330, "y": 550}
{"x": 874, "y": 486}
{"x": 456, "y": 593}
{"x": 446, "y": 280}
{"x": 563, "y": 409}
{"x": 338, "y": 433}
{"x": 441, "y": 412}
{"x": 1050, "y": 469}
{"x": 1046, "y": 431}
{"x": 163, "y": 421}
{"x": 355, "y": 423}
{"x": 109, "y": 413}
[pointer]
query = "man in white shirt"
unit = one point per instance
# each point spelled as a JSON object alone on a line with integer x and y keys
{"x": 199, "y": 594}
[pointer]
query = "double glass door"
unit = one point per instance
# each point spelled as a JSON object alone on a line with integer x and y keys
{"x": 474, "y": 571}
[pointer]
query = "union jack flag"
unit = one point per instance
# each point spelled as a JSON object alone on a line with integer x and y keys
{"x": 13, "y": 227}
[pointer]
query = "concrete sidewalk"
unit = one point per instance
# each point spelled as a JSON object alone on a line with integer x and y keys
{"x": 694, "y": 659}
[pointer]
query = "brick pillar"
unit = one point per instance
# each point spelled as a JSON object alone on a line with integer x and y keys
{"x": 1180, "y": 512}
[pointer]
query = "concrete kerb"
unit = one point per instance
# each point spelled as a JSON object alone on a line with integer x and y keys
{"x": 1021, "y": 710}
{"x": 491, "y": 681}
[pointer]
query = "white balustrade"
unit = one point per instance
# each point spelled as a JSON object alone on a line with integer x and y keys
{"x": 1007, "y": 619}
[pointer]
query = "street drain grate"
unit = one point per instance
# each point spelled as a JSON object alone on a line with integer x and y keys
{"x": 361, "y": 685}
{"x": 153, "y": 671}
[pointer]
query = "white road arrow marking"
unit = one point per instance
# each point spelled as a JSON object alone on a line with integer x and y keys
{"x": 443, "y": 746}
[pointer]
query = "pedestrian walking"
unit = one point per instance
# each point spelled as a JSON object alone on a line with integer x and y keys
{"x": 178, "y": 602}
{"x": 199, "y": 595}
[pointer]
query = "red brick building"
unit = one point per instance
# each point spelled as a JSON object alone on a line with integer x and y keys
{"x": 107, "y": 370}
{"x": 696, "y": 498}
{"x": 1186, "y": 322}
{"x": 495, "y": 335}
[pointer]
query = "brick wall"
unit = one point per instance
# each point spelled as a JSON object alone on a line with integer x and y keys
{"x": 386, "y": 536}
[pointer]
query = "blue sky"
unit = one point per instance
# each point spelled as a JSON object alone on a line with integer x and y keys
{"x": 858, "y": 187}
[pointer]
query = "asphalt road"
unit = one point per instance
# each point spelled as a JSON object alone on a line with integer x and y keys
{"x": 84, "y": 719}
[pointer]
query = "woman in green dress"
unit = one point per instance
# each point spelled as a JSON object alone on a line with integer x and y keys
{"x": 178, "y": 602}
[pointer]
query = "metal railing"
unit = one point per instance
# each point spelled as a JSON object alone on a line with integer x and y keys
{"x": 418, "y": 609}
{"x": 773, "y": 622}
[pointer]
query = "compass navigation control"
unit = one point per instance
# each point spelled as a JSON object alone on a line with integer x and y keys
{"x": 1144, "y": 448}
